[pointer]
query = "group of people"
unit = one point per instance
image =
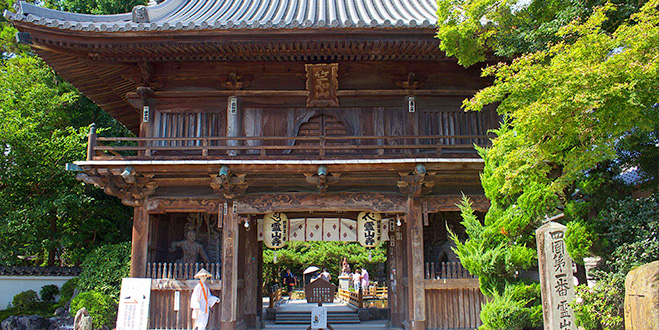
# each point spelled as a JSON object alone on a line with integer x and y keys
{"x": 359, "y": 277}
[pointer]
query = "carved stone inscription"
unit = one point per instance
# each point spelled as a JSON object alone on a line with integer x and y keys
{"x": 322, "y": 85}
{"x": 556, "y": 277}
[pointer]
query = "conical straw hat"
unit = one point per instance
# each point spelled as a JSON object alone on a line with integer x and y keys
{"x": 203, "y": 273}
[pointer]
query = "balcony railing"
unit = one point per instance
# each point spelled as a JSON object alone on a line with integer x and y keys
{"x": 278, "y": 147}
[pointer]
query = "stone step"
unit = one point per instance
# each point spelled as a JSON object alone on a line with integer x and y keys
{"x": 334, "y": 317}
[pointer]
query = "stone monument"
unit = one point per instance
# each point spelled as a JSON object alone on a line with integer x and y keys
{"x": 556, "y": 277}
{"x": 642, "y": 297}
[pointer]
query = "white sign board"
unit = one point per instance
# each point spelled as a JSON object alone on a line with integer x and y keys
{"x": 134, "y": 304}
{"x": 318, "y": 317}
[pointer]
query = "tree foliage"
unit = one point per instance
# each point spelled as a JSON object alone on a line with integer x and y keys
{"x": 299, "y": 255}
{"x": 45, "y": 214}
{"x": 575, "y": 113}
{"x": 472, "y": 29}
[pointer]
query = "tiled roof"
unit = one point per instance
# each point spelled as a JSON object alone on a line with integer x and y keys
{"x": 243, "y": 15}
{"x": 39, "y": 271}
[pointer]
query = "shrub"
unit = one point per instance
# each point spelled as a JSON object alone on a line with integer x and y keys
{"x": 48, "y": 292}
{"x": 602, "y": 306}
{"x": 101, "y": 308}
{"x": 66, "y": 293}
{"x": 104, "y": 268}
{"x": 25, "y": 301}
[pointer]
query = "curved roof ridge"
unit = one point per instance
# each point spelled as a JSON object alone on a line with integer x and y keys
{"x": 242, "y": 14}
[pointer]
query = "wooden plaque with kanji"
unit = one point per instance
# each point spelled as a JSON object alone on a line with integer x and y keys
{"x": 322, "y": 85}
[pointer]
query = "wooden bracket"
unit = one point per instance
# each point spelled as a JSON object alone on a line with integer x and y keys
{"x": 416, "y": 183}
{"x": 132, "y": 189}
{"x": 322, "y": 179}
{"x": 229, "y": 184}
{"x": 237, "y": 81}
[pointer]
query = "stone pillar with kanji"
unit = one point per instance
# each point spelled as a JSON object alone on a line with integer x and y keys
{"x": 556, "y": 277}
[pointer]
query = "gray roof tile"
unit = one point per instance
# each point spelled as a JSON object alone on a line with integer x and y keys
{"x": 244, "y": 14}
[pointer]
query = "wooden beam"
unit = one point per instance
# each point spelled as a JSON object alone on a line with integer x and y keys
{"x": 304, "y": 202}
{"x": 416, "y": 293}
{"x": 162, "y": 205}
{"x": 451, "y": 283}
{"x": 444, "y": 203}
{"x": 229, "y": 270}
{"x": 303, "y": 93}
{"x": 138, "y": 255}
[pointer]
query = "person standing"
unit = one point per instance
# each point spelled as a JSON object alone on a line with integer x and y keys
{"x": 202, "y": 300}
{"x": 290, "y": 281}
{"x": 364, "y": 279}
{"x": 356, "y": 277}
{"x": 325, "y": 275}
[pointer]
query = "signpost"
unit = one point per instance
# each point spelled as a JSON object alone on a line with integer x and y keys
{"x": 319, "y": 291}
{"x": 134, "y": 304}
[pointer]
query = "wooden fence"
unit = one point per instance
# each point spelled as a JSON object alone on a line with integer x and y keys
{"x": 172, "y": 283}
{"x": 357, "y": 298}
{"x": 453, "y": 297}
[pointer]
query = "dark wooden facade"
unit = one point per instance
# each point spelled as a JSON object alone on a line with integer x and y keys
{"x": 239, "y": 116}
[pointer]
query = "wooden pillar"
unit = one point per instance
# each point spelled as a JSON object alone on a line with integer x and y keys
{"x": 416, "y": 292}
{"x": 251, "y": 276}
{"x": 138, "y": 253}
{"x": 229, "y": 269}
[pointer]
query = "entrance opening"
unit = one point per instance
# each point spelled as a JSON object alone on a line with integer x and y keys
{"x": 325, "y": 245}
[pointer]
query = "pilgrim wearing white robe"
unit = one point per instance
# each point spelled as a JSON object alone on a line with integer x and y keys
{"x": 201, "y": 301}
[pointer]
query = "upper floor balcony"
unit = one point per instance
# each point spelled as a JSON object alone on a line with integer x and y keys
{"x": 302, "y": 134}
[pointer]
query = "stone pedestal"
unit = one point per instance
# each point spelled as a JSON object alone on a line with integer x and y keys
{"x": 642, "y": 297}
{"x": 344, "y": 282}
{"x": 556, "y": 277}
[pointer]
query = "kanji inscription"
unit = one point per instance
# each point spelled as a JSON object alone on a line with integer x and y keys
{"x": 322, "y": 85}
{"x": 556, "y": 277}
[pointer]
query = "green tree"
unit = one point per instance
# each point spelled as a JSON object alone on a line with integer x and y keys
{"x": 575, "y": 113}
{"x": 299, "y": 255}
{"x": 45, "y": 214}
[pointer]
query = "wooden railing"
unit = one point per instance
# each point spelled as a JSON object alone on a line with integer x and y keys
{"x": 179, "y": 271}
{"x": 356, "y": 298}
{"x": 441, "y": 270}
{"x": 106, "y": 148}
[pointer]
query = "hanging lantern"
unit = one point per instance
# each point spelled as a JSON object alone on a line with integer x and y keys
{"x": 275, "y": 230}
{"x": 368, "y": 229}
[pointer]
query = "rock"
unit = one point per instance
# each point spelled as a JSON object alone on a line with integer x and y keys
{"x": 32, "y": 322}
{"x": 374, "y": 313}
{"x": 270, "y": 313}
{"x": 61, "y": 322}
{"x": 60, "y": 312}
{"x": 642, "y": 297}
{"x": 384, "y": 313}
{"x": 82, "y": 321}
{"x": 10, "y": 323}
{"x": 363, "y": 314}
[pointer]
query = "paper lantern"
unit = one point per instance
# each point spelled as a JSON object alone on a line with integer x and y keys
{"x": 368, "y": 229}
{"x": 275, "y": 230}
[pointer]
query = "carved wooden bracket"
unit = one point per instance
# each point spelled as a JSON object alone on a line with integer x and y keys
{"x": 132, "y": 189}
{"x": 236, "y": 81}
{"x": 416, "y": 183}
{"x": 229, "y": 184}
{"x": 411, "y": 83}
{"x": 149, "y": 78}
{"x": 322, "y": 180}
